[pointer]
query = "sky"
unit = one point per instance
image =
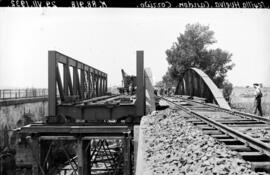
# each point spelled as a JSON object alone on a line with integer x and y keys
{"x": 108, "y": 39}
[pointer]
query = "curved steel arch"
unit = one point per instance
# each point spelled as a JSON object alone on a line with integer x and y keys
{"x": 196, "y": 83}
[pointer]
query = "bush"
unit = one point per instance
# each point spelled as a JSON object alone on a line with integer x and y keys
{"x": 227, "y": 90}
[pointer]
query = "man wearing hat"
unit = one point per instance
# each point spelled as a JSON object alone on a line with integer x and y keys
{"x": 258, "y": 96}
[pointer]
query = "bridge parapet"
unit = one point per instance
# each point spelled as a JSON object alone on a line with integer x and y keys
{"x": 196, "y": 83}
{"x": 11, "y": 94}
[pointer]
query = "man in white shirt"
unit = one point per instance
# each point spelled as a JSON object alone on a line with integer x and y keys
{"x": 258, "y": 96}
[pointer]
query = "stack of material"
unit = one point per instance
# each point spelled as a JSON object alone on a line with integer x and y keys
{"x": 170, "y": 145}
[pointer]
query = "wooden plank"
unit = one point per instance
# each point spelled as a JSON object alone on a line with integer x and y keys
{"x": 250, "y": 153}
{"x": 212, "y": 132}
{"x": 228, "y": 140}
{"x": 261, "y": 165}
{"x": 239, "y": 147}
{"x": 220, "y": 136}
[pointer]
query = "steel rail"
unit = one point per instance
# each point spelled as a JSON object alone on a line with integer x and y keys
{"x": 249, "y": 141}
{"x": 233, "y": 112}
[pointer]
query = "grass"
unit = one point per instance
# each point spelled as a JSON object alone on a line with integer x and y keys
{"x": 243, "y": 100}
{"x": 249, "y": 107}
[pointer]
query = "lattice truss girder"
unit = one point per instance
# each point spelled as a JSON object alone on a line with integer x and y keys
{"x": 81, "y": 156}
{"x": 75, "y": 80}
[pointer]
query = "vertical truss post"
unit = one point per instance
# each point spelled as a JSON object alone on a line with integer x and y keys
{"x": 65, "y": 66}
{"x": 106, "y": 79}
{"x": 52, "y": 83}
{"x": 101, "y": 85}
{"x": 192, "y": 79}
{"x": 83, "y": 157}
{"x": 34, "y": 145}
{"x": 96, "y": 83}
{"x": 190, "y": 83}
{"x": 185, "y": 85}
{"x": 75, "y": 81}
{"x": 89, "y": 85}
{"x": 44, "y": 155}
{"x": 140, "y": 92}
{"x": 127, "y": 154}
{"x": 103, "y": 82}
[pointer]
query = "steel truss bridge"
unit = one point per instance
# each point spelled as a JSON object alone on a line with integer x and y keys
{"x": 89, "y": 131}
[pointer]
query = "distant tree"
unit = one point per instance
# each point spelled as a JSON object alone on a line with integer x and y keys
{"x": 159, "y": 84}
{"x": 168, "y": 81}
{"x": 191, "y": 50}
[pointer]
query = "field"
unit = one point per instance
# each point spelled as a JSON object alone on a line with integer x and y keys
{"x": 242, "y": 99}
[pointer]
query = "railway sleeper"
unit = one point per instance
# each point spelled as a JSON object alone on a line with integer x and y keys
{"x": 261, "y": 166}
{"x": 198, "y": 123}
{"x": 217, "y": 118}
{"x": 240, "y": 148}
{"x": 254, "y": 156}
{"x": 212, "y": 132}
{"x": 205, "y": 127}
{"x": 254, "y": 125}
{"x": 265, "y": 140}
{"x": 238, "y": 121}
{"x": 231, "y": 141}
{"x": 221, "y": 136}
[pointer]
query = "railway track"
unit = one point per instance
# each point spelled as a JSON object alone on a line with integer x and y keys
{"x": 247, "y": 134}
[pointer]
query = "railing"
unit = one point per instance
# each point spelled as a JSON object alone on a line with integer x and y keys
{"x": 6, "y": 94}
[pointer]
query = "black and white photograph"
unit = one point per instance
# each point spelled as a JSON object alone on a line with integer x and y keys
{"x": 135, "y": 91}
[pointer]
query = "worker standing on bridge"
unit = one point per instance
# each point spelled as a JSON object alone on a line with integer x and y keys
{"x": 130, "y": 89}
{"x": 258, "y": 96}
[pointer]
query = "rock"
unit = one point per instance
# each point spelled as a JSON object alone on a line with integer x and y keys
{"x": 173, "y": 146}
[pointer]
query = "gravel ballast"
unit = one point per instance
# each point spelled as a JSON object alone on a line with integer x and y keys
{"x": 173, "y": 146}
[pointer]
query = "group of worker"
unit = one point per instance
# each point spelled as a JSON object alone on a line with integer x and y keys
{"x": 164, "y": 91}
{"x": 131, "y": 89}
